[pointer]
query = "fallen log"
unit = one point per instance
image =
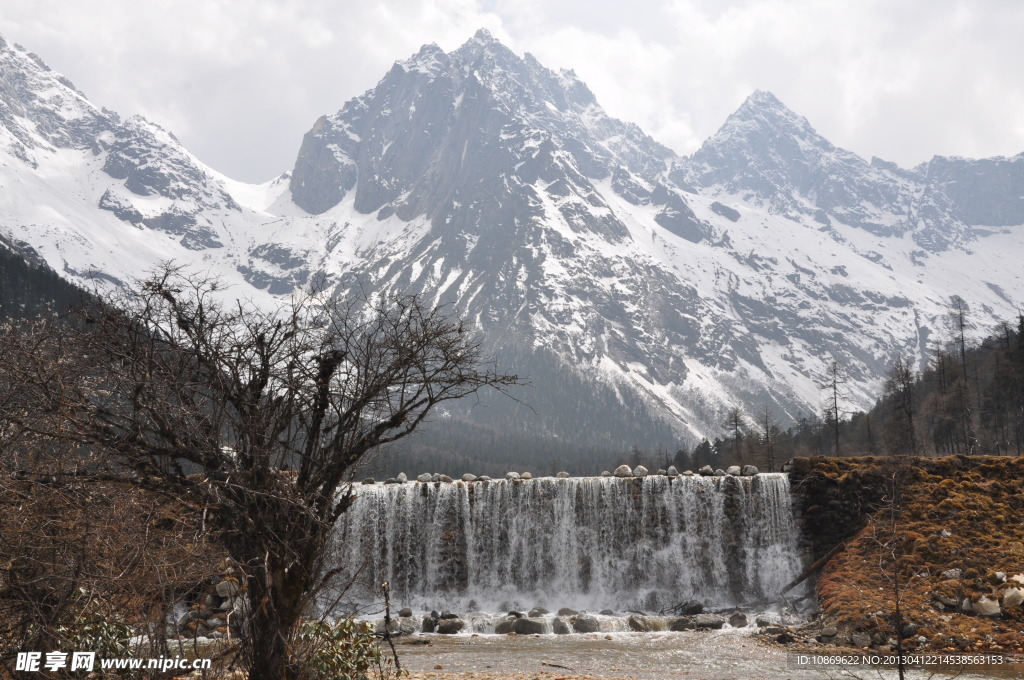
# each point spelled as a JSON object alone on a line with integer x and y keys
{"x": 818, "y": 564}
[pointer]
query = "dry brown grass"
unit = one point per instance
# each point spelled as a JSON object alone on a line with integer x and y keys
{"x": 970, "y": 519}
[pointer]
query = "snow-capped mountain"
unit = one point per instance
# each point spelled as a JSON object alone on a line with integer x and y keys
{"x": 642, "y": 291}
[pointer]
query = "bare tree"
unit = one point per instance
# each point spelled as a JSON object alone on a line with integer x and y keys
{"x": 769, "y": 430}
{"x": 834, "y": 386}
{"x": 899, "y": 391}
{"x": 958, "y": 312}
{"x": 735, "y": 423}
{"x": 259, "y": 414}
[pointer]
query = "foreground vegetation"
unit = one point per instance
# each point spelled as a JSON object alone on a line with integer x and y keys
{"x": 255, "y": 419}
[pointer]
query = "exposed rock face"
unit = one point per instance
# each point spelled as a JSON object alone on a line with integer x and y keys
{"x": 988, "y": 191}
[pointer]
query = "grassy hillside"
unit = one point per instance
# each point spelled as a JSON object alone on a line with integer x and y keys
{"x": 942, "y": 539}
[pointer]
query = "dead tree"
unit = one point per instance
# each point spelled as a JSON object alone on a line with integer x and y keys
{"x": 259, "y": 414}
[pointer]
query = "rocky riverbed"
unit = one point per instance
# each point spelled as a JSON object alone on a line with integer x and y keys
{"x": 711, "y": 655}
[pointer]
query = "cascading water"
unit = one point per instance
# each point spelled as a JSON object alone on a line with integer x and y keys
{"x": 588, "y": 543}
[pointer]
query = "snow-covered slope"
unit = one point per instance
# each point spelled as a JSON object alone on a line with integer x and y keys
{"x": 628, "y": 281}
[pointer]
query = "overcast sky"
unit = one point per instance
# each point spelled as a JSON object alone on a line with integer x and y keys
{"x": 239, "y": 82}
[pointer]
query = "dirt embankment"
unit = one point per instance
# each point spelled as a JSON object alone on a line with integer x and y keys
{"x": 933, "y": 550}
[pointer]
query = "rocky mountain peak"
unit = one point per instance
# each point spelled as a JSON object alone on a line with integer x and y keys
{"x": 41, "y": 108}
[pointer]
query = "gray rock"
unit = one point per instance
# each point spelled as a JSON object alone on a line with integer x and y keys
{"x": 690, "y": 607}
{"x": 585, "y": 624}
{"x": 450, "y": 626}
{"x": 662, "y": 472}
{"x": 516, "y": 614}
{"x": 1013, "y": 597}
{"x": 738, "y": 620}
{"x": 435, "y": 477}
{"x": 605, "y": 473}
{"x": 860, "y": 640}
{"x": 719, "y": 472}
{"x": 504, "y": 627}
{"x": 762, "y": 621}
{"x": 537, "y": 611}
{"x": 241, "y": 608}
{"x": 909, "y": 630}
{"x": 708, "y": 621}
{"x": 681, "y": 623}
{"x": 511, "y": 475}
{"x": 559, "y": 627}
{"x": 688, "y": 473}
{"x": 405, "y": 611}
{"x": 672, "y": 471}
{"x": 444, "y": 478}
{"x": 638, "y": 624}
{"x": 623, "y": 471}
{"x": 446, "y": 614}
{"x": 829, "y": 631}
{"x": 402, "y": 477}
{"x": 425, "y": 477}
{"x": 227, "y": 588}
{"x": 527, "y": 626}
{"x": 391, "y": 480}
{"x": 429, "y": 624}
{"x": 985, "y": 606}
{"x": 393, "y": 627}
{"x": 952, "y": 573}
{"x": 562, "y": 475}
{"x": 749, "y": 470}
{"x": 705, "y": 471}
{"x": 214, "y": 623}
{"x": 483, "y": 478}
{"x": 733, "y": 470}
{"x": 406, "y": 626}
{"x": 639, "y": 471}
{"x": 526, "y": 475}
{"x": 566, "y": 611}
{"x": 368, "y": 481}
{"x": 468, "y": 477}
{"x": 606, "y": 612}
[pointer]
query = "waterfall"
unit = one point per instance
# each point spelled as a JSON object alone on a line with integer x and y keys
{"x": 586, "y": 542}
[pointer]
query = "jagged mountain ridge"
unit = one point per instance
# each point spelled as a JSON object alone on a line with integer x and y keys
{"x": 482, "y": 179}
